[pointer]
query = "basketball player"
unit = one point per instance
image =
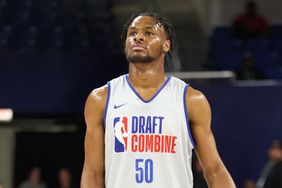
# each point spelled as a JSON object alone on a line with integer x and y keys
{"x": 142, "y": 127}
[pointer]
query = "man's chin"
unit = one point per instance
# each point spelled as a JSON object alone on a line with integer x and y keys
{"x": 140, "y": 59}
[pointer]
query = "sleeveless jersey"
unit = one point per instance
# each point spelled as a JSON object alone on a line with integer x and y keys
{"x": 147, "y": 143}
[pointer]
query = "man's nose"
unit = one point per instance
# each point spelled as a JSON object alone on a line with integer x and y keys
{"x": 139, "y": 37}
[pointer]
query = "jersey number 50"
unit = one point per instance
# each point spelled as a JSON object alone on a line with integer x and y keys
{"x": 144, "y": 170}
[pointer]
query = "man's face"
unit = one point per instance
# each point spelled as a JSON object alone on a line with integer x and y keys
{"x": 146, "y": 40}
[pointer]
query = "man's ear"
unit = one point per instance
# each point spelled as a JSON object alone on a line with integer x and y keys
{"x": 166, "y": 46}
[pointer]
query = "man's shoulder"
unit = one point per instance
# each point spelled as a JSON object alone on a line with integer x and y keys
{"x": 196, "y": 99}
{"x": 193, "y": 93}
{"x": 99, "y": 93}
{"x": 96, "y": 102}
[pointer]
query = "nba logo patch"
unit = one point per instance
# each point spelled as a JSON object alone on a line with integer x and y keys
{"x": 121, "y": 134}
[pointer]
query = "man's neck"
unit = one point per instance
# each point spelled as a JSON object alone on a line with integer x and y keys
{"x": 146, "y": 75}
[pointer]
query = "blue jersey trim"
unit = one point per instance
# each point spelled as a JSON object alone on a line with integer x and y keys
{"x": 107, "y": 103}
{"x": 156, "y": 94}
{"x": 186, "y": 115}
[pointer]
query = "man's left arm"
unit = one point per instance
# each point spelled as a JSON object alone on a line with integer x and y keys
{"x": 199, "y": 113}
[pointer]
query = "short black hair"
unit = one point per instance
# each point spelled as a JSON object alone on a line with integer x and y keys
{"x": 251, "y": 5}
{"x": 276, "y": 144}
{"x": 168, "y": 27}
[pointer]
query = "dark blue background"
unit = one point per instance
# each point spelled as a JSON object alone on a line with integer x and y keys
{"x": 245, "y": 121}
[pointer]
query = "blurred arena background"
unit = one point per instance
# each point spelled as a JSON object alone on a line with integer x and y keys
{"x": 54, "y": 52}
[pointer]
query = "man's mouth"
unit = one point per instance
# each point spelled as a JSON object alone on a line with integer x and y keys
{"x": 138, "y": 47}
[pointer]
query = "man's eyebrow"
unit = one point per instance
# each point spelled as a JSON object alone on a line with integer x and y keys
{"x": 146, "y": 27}
{"x": 132, "y": 27}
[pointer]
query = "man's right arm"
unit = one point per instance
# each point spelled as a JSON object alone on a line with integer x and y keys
{"x": 93, "y": 174}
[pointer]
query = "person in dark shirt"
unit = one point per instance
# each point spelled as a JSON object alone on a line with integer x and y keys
{"x": 274, "y": 156}
{"x": 65, "y": 178}
{"x": 1, "y": 185}
{"x": 34, "y": 179}
{"x": 249, "y": 183}
{"x": 274, "y": 178}
{"x": 250, "y": 24}
{"x": 248, "y": 70}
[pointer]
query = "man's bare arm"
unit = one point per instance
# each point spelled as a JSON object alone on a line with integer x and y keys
{"x": 93, "y": 174}
{"x": 214, "y": 170}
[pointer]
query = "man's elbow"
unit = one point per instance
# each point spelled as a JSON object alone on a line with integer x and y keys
{"x": 212, "y": 172}
{"x": 93, "y": 178}
{"x": 218, "y": 176}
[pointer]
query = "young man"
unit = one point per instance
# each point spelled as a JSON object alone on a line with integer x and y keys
{"x": 138, "y": 125}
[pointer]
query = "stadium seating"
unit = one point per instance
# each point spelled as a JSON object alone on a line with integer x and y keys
{"x": 55, "y": 52}
{"x": 226, "y": 52}
{"x": 48, "y": 24}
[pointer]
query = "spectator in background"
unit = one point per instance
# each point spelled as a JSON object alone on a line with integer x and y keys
{"x": 34, "y": 179}
{"x": 274, "y": 155}
{"x": 65, "y": 178}
{"x": 274, "y": 179}
{"x": 1, "y": 185}
{"x": 250, "y": 24}
{"x": 249, "y": 183}
{"x": 270, "y": 172}
{"x": 248, "y": 70}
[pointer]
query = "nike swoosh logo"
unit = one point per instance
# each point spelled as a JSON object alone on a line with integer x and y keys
{"x": 118, "y": 106}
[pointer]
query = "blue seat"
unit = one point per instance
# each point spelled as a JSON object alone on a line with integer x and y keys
{"x": 55, "y": 39}
{"x": 20, "y": 5}
{"x": 266, "y": 59}
{"x": 276, "y": 43}
{"x": 4, "y": 43}
{"x": 80, "y": 39}
{"x": 276, "y": 30}
{"x": 29, "y": 41}
{"x": 3, "y": 4}
{"x": 222, "y": 32}
{"x": 272, "y": 71}
{"x": 257, "y": 45}
{"x": 22, "y": 19}
{"x": 226, "y": 45}
{"x": 6, "y": 35}
{"x": 228, "y": 61}
{"x": 6, "y": 30}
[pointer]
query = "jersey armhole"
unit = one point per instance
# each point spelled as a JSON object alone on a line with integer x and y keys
{"x": 107, "y": 103}
{"x": 187, "y": 117}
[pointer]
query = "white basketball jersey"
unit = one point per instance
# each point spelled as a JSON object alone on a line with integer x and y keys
{"x": 147, "y": 143}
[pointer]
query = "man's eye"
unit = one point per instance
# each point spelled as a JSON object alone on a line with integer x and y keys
{"x": 132, "y": 33}
{"x": 149, "y": 33}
